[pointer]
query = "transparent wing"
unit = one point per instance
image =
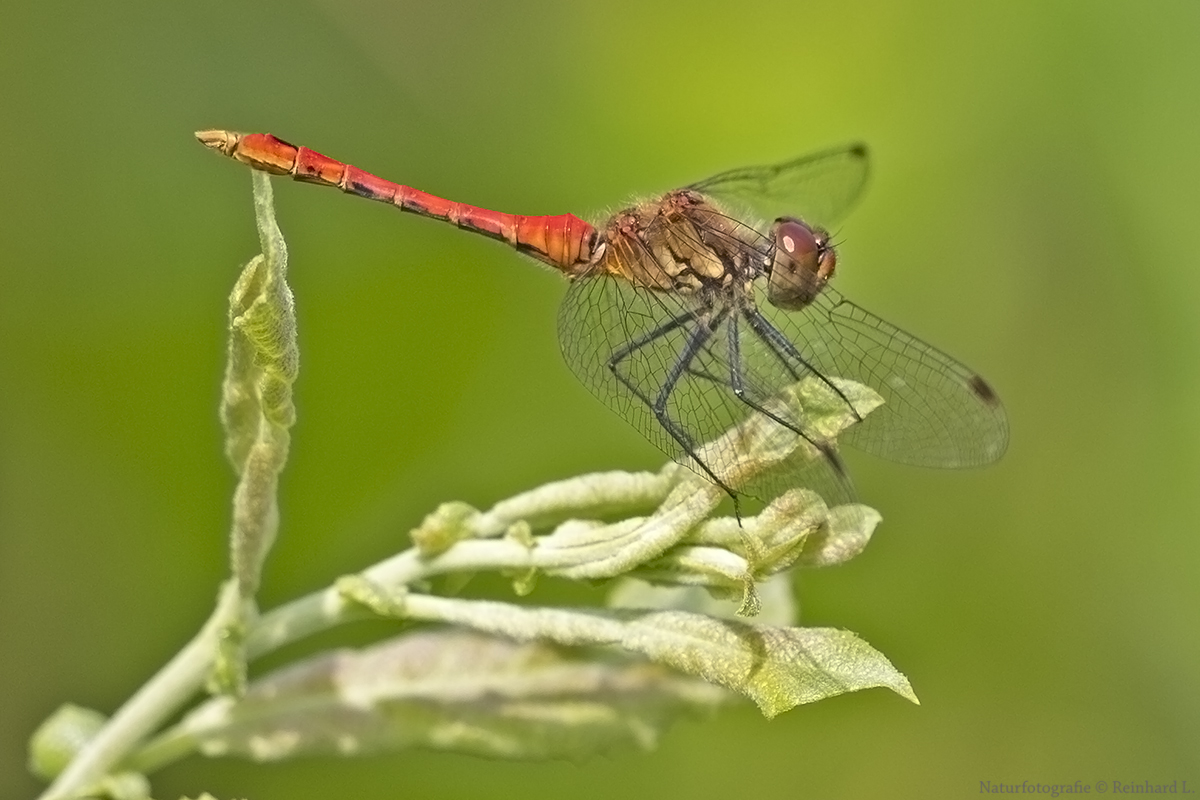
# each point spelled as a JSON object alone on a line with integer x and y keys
{"x": 819, "y": 188}
{"x": 938, "y": 412}
{"x": 669, "y": 366}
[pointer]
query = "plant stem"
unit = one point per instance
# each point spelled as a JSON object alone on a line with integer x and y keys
{"x": 160, "y": 697}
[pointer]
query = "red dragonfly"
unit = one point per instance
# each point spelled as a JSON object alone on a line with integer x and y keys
{"x": 665, "y": 319}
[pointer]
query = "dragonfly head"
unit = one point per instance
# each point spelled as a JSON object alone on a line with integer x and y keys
{"x": 803, "y": 261}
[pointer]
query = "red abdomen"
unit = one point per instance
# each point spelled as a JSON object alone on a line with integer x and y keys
{"x": 564, "y": 241}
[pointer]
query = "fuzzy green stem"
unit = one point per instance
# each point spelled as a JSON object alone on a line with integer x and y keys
{"x": 157, "y": 700}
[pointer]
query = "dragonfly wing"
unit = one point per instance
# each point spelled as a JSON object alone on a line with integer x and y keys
{"x": 666, "y": 364}
{"x": 937, "y": 411}
{"x": 623, "y": 342}
{"x": 819, "y": 188}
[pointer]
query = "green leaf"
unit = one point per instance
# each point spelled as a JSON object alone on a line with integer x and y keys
{"x": 256, "y": 401}
{"x": 379, "y": 599}
{"x": 722, "y": 554}
{"x": 455, "y": 691}
{"x": 846, "y": 533}
{"x": 771, "y": 457}
{"x": 729, "y": 559}
{"x": 776, "y": 667}
{"x": 123, "y": 786}
{"x": 60, "y": 737}
{"x": 228, "y": 674}
{"x": 439, "y": 531}
{"x": 775, "y": 594}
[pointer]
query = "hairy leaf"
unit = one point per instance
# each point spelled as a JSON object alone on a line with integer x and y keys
{"x": 451, "y": 690}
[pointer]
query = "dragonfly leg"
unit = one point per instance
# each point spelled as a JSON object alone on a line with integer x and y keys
{"x": 737, "y": 382}
{"x": 658, "y": 405}
{"x": 696, "y": 341}
{"x": 632, "y": 346}
{"x": 786, "y": 353}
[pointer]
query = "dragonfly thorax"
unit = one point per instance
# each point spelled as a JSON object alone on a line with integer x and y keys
{"x": 680, "y": 243}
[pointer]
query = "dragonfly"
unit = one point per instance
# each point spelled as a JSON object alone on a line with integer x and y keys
{"x": 686, "y": 316}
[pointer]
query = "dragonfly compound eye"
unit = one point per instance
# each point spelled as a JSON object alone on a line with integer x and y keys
{"x": 803, "y": 263}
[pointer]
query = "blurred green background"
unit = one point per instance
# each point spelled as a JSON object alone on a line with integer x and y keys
{"x": 1032, "y": 210}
